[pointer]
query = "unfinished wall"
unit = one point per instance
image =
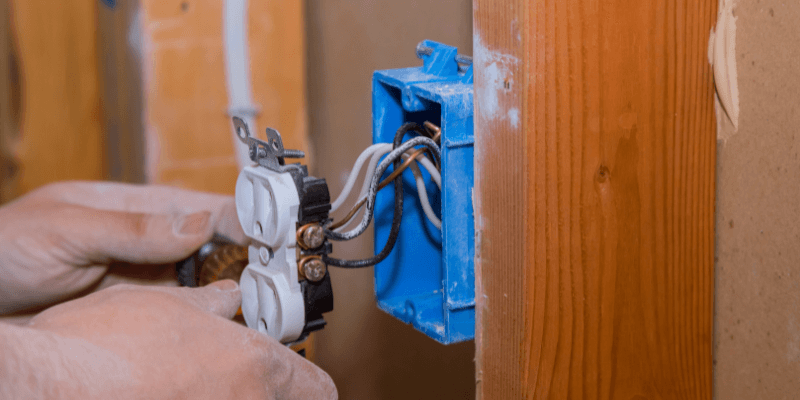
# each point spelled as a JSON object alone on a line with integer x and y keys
{"x": 8, "y": 115}
{"x": 187, "y": 129}
{"x": 369, "y": 354}
{"x": 757, "y": 332}
{"x": 60, "y": 131}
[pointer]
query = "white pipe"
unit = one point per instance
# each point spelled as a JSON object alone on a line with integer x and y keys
{"x": 237, "y": 74}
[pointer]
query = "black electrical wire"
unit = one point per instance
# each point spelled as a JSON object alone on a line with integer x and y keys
{"x": 397, "y": 216}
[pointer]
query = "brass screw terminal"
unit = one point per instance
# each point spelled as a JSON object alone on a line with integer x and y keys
{"x": 310, "y": 236}
{"x": 312, "y": 268}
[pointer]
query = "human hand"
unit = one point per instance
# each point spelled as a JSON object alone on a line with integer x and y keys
{"x": 156, "y": 343}
{"x": 59, "y": 239}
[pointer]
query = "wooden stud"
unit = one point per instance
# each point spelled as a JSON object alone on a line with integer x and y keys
{"x": 61, "y": 130}
{"x": 594, "y": 199}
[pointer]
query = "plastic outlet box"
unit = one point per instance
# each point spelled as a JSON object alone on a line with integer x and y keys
{"x": 428, "y": 280}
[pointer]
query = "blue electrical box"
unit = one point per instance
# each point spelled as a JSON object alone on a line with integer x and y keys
{"x": 428, "y": 280}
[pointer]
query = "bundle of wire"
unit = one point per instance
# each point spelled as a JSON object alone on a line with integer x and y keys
{"x": 401, "y": 156}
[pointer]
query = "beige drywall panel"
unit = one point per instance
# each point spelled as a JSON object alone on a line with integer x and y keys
{"x": 757, "y": 332}
{"x": 369, "y": 354}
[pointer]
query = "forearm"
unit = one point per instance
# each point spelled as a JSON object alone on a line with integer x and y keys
{"x": 39, "y": 364}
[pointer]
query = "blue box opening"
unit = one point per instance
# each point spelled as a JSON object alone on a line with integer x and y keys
{"x": 428, "y": 278}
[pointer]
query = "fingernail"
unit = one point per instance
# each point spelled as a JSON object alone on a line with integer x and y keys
{"x": 192, "y": 224}
{"x": 225, "y": 285}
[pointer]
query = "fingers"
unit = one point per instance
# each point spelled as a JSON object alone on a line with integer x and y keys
{"x": 267, "y": 369}
{"x": 222, "y": 298}
{"x": 226, "y": 222}
{"x": 115, "y": 196}
{"x": 102, "y": 236}
{"x": 147, "y": 199}
{"x": 290, "y": 376}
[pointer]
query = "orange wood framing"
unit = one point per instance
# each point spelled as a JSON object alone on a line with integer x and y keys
{"x": 594, "y": 199}
{"x": 61, "y": 135}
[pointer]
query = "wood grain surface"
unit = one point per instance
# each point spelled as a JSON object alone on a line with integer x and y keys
{"x": 61, "y": 130}
{"x": 595, "y": 161}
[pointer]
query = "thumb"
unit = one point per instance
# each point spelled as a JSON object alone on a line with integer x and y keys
{"x": 139, "y": 238}
{"x": 222, "y": 298}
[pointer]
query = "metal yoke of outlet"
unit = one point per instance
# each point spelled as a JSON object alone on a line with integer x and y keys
{"x": 276, "y": 203}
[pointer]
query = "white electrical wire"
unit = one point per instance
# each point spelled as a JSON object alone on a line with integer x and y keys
{"x": 368, "y": 153}
{"x": 426, "y": 163}
{"x": 373, "y": 164}
{"x": 423, "y": 196}
{"x": 436, "y": 177}
{"x": 373, "y": 187}
{"x": 374, "y": 154}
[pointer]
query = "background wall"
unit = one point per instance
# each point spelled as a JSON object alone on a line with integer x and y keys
{"x": 9, "y": 100}
{"x": 757, "y": 332}
{"x": 52, "y": 128}
{"x": 136, "y": 93}
{"x": 369, "y": 354}
{"x": 60, "y": 130}
{"x": 187, "y": 128}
